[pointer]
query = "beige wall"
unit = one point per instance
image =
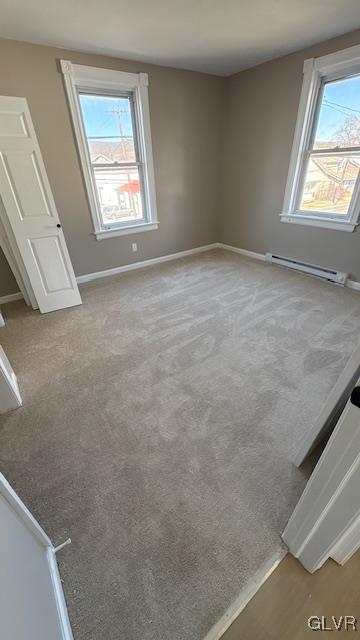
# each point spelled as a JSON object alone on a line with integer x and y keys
{"x": 260, "y": 120}
{"x": 185, "y": 116}
{"x": 203, "y": 127}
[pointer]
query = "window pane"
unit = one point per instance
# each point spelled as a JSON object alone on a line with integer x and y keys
{"x": 119, "y": 194}
{"x": 108, "y": 128}
{"x": 339, "y": 116}
{"x": 329, "y": 184}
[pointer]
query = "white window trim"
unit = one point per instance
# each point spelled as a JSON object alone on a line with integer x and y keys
{"x": 78, "y": 77}
{"x": 329, "y": 67}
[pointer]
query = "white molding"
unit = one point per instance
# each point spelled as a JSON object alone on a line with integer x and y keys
{"x": 305, "y": 113}
{"x": 334, "y": 63}
{"x": 10, "y": 397}
{"x": 353, "y": 284}
{"x": 87, "y": 277}
{"x": 144, "y": 263}
{"x": 348, "y": 544}
{"x": 315, "y": 73}
{"x": 246, "y": 594}
{"x": 313, "y": 221}
{"x": 23, "y": 512}
{"x": 243, "y": 252}
{"x": 77, "y": 77}
{"x": 80, "y": 138}
{"x": 130, "y": 229}
{"x": 2, "y": 321}
{"x": 8, "y": 493}
{"x": 12, "y": 297}
{"x": 59, "y": 595}
{"x": 323, "y": 520}
{"x": 100, "y": 77}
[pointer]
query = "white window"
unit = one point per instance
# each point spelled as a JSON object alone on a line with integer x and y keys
{"x": 323, "y": 186}
{"x": 110, "y": 112}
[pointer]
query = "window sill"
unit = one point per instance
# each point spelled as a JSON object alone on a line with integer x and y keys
{"x": 325, "y": 223}
{"x": 125, "y": 231}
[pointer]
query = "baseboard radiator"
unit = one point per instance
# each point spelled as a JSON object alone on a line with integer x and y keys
{"x": 339, "y": 277}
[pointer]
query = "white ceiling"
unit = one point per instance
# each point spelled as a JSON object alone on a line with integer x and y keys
{"x": 215, "y": 36}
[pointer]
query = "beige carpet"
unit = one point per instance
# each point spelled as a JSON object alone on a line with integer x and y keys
{"x": 158, "y": 426}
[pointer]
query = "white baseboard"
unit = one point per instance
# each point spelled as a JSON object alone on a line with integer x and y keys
{"x": 59, "y": 595}
{"x": 218, "y": 630}
{"x": 12, "y": 297}
{"x": 243, "y": 252}
{"x": 144, "y": 263}
{"x": 351, "y": 284}
{"x": 88, "y": 277}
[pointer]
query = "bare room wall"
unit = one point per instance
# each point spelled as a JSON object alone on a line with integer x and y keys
{"x": 185, "y": 117}
{"x": 260, "y": 117}
{"x": 221, "y": 153}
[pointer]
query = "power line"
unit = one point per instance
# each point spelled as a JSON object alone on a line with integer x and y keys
{"x": 344, "y": 113}
{"x": 118, "y": 113}
{"x": 342, "y": 106}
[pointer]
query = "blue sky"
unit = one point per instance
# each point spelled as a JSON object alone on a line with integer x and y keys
{"x": 98, "y": 118}
{"x": 346, "y": 95}
{"x": 339, "y": 99}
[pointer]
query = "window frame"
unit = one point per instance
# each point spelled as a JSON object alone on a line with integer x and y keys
{"x": 318, "y": 71}
{"x": 97, "y": 81}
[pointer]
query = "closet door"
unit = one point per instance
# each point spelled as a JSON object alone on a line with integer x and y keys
{"x": 326, "y": 521}
{"x": 32, "y": 604}
{"x": 30, "y": 209}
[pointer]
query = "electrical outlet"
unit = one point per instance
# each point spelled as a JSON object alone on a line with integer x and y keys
{"x": 134, "y": 246}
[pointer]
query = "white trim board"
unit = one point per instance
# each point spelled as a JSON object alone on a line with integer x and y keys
{"x": 316, "y": 72}
{"x": 351, "y": 284}
{"x": 246, "y": 594}
{"x": 28, "y": 520}
{"x": 145, "y": 263}
{"x": 82, "y": 77}
{"x": 59, "y": 594}
{"x": 12, "y": 297}
{"x": 324, "y": 519}
{"x": 242, "y": 252}
{"x": 88, "y": 277}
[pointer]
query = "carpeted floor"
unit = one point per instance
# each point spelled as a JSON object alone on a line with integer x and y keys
{"x": 158, "y": 426}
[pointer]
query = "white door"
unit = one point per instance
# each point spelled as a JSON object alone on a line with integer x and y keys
{"x": 8, "y": 248}
{"x": 32, "y": 604}
{"x": 30, "y": 209}
{"x": 326, "y": 521}
{"x": 9, "y": 391}
{"x": 332, "y": 408}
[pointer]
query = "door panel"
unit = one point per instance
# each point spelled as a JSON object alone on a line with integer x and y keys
{"x": 12, "y": 125}
{"x": 48, "y": 251}
{"x": 23, "y": 174}
{"x": 31, "y": 210}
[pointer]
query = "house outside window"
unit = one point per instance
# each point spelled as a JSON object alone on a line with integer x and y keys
{"x": 112, "y": 126}
{"x": 323, "y": 186}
